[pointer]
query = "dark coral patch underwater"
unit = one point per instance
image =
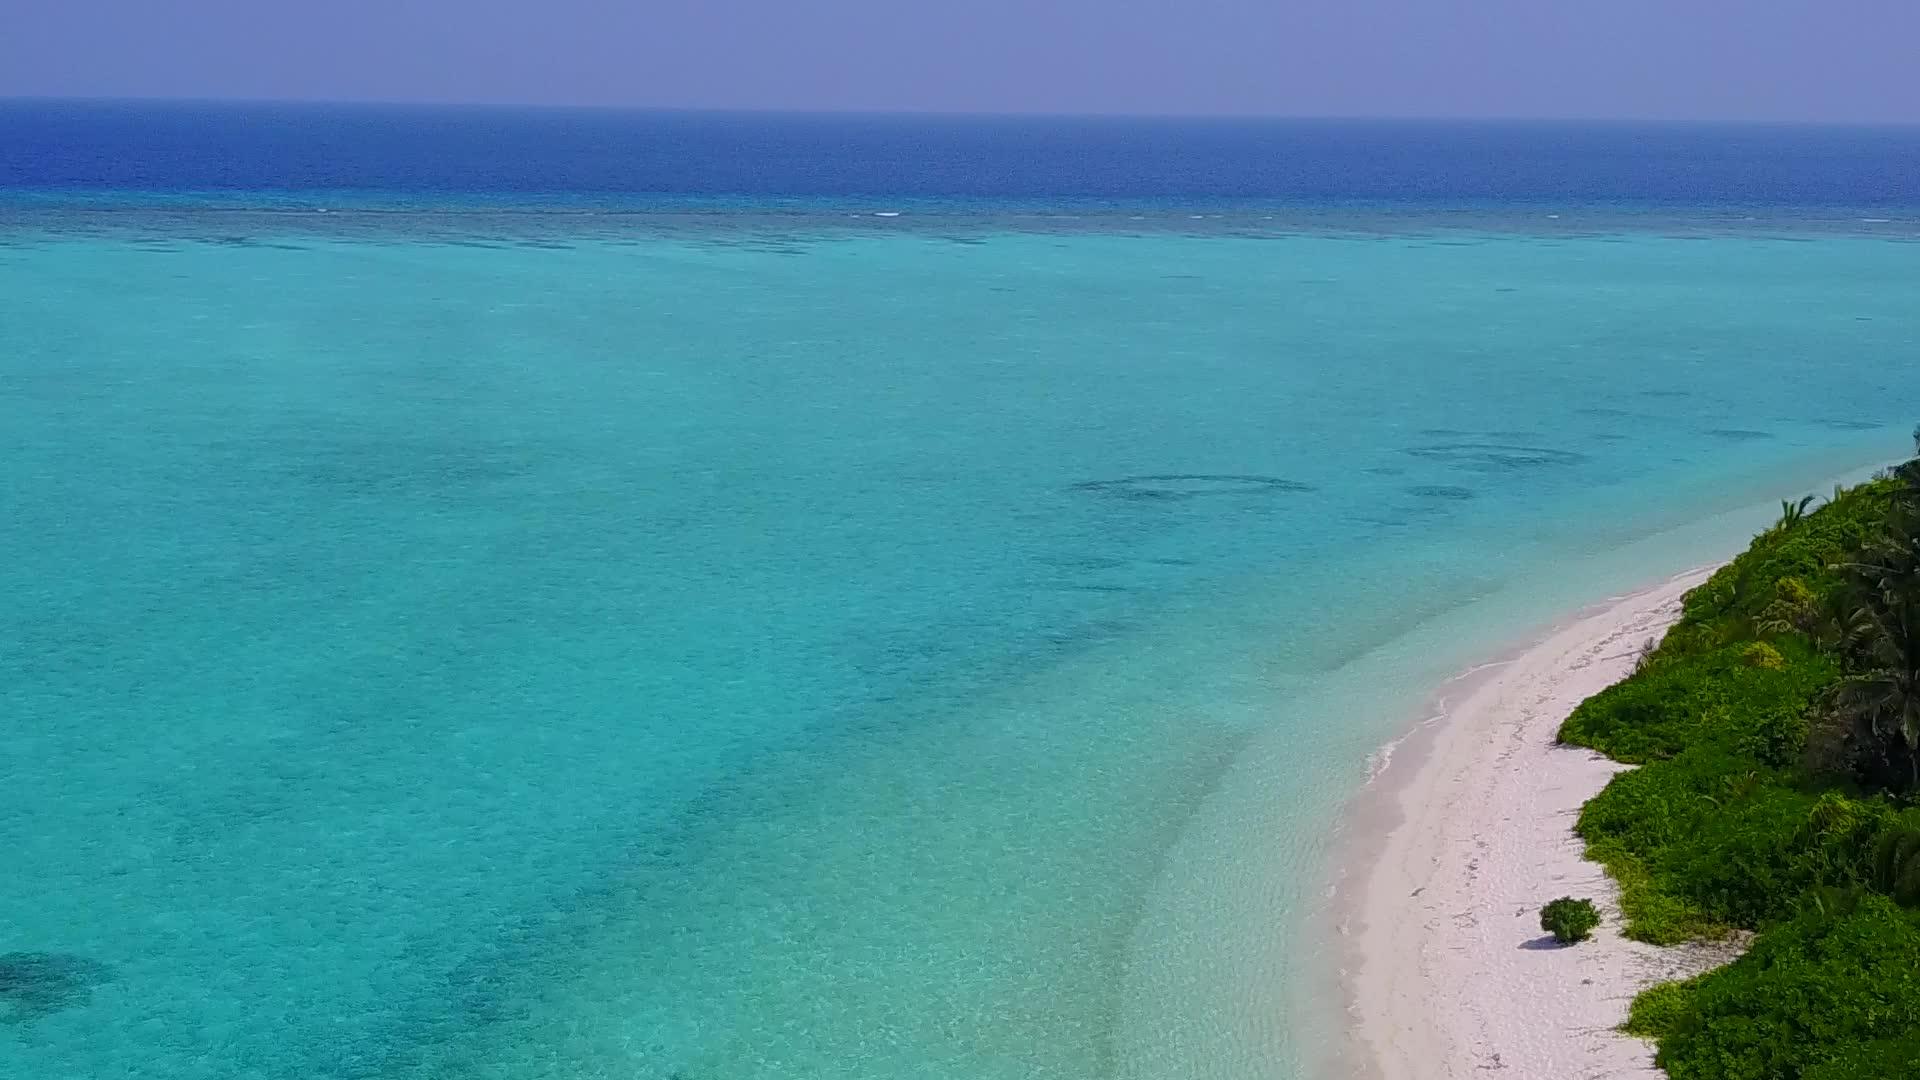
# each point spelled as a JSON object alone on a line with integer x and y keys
{"x": 1441, "y": 491}
{"x": 1166, "y": 487}
{"x": 34, "y": 984}
{"x": 1495, "y": 457}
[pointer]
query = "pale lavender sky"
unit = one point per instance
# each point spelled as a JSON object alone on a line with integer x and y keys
{"x": 1843, "y": 60}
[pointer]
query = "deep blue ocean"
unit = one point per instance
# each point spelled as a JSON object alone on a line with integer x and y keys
{"x": 620, "y": 158}
{"x": 555, "y": 594}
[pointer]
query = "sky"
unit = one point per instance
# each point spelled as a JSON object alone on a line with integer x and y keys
{"x": 1794, "y": 60}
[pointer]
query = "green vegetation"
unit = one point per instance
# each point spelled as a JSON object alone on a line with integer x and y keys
{"x": 1569, "y": 920}
{"x": 1778, "y": 730}
{"x": 1829, "y": 987}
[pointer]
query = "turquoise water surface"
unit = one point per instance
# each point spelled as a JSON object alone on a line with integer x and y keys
{"x": 711, "y": 656}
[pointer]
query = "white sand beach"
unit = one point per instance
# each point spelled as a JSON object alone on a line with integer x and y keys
{"x": 1451, "y": 976}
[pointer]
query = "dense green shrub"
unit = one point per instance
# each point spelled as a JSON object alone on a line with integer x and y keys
{"x": 1718, "y": 695}
{"x": 1896, "y": 860}
{"x": 1886, "y": 1059}
{"x": 1659, "y": 1010}
{"x": 1820, "y": 992}
{"x": 1652, "y": 807}
{"x": 1768, "y": 798}
{"x": 1650, "y": 913}
{"x": 1569, "y": 920}
{"x": 1795, "y": 562}
{"x": 1752, "y": 863}
{"x": 1713, "y": 839}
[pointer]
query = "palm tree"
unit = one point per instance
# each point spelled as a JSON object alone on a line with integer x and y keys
{"x": 1826, "y": 616}
{"x": 1910, "y": 471}
{"x": 1881, "y": 694}
{"x": 1877, "y": 640}
{"x": 1793, "y": 513}
{"x": 1896, "y": 862}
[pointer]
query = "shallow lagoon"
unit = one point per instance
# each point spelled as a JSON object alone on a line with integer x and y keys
{"x": 633, "y": 654}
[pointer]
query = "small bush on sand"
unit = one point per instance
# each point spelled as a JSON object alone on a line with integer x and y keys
{"x": 1569, "y": 920}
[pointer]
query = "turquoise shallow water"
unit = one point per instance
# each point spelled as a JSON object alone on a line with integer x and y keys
{"x": 714, "y": 655}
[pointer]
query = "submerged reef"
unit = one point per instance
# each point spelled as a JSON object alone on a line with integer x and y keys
{"x": 1160, "y": 487}
{"x": 35, "y": 984}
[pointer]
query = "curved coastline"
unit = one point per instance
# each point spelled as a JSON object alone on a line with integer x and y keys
{"x": 1463, "y": 831}
{"x": 1251, "y": 945}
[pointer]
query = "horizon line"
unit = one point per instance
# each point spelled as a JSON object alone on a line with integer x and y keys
{"x": 946, "y": 114}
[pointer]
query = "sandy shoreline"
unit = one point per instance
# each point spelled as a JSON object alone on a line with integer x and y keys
{"x": 1464, "y": 832}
